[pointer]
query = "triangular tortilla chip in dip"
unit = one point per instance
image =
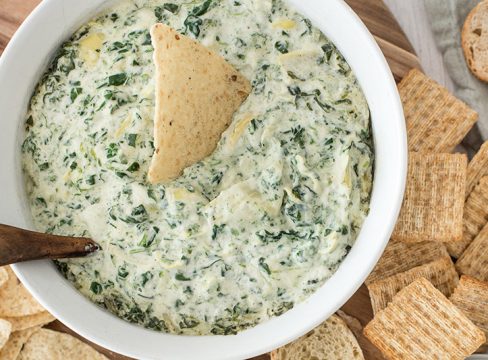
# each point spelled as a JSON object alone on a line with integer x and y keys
{"x": 197, "y": 92}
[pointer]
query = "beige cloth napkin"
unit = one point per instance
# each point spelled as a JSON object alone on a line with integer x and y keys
{"x": 447, "y": 19}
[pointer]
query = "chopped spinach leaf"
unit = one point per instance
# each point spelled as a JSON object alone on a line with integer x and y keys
{"x": 132, "y": 138}
{"x": 122, "y": 272}
{"x": 44, "y": 166}
{"x": 188, "y": 322}
{"x": 133, "y": 167}
{"x": 117, "y": 79}
{"x": 172, "y": 8}
{"x": 112, "y": 150}
{"x": 201, "y": 9}
{"x": 145, "y": 277}
{"x": 95, "y": 287}
{"x": 264, "y": 266}
{"x": 181, "y": 277}
{"x": 192, "y": 24}
{"x": 282, "y": 46}
{"x": 91, "y": 180}
{"x": 74, "y": 93}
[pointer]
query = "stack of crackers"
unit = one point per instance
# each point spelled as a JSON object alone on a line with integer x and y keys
{"x": 22, "y": 332}
{"x": 423, "y": 308}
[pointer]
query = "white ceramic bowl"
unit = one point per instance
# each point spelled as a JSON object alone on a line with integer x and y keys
{"x": 26, "y": 58}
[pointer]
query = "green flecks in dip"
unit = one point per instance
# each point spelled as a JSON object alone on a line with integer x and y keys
{"x": 243, "y": 235}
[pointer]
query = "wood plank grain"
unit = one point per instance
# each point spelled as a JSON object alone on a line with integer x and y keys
{"x": 12, "y": 14}
{"x": 400, "y": 56}
{"x": 414, "y": 20}
{"x": 399, "y": 60}
{"x": 380, "y": 22}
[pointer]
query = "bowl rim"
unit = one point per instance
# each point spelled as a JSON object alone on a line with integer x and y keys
{"x": 117, "y": 335}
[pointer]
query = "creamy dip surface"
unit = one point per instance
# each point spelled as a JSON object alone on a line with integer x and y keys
{"x": 243, "y": 235}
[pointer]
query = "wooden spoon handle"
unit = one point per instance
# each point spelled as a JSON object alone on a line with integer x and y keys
{"x": 18, "y": 245}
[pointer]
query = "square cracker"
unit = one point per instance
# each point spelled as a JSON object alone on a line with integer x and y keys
{"x": 477, "y": 168}
{"x": 399, "y": 257}
{"x": 432, "y": 208}
{"x": 474, "y": 218}
{"x": 436, "y": 120}
{"x": 474, "y": 260}
{"x": 441, "y": 273}
{"x": 471, "y": 296}
{"x": 421, "y": 323}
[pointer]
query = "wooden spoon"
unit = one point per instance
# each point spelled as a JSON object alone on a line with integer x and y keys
{"x": 17, "y": 245}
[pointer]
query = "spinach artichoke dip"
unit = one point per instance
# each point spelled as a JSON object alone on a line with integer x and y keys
{"x": 241, "y": 236}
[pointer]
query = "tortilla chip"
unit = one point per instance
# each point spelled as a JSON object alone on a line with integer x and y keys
{"x": 15, "y": 300}
{"x": 474, "y": 218}
{"x": 3, "y": 276}
{"x": 399, "y": 257}
{"x": 436, "y": 120}
{"x": 420, "y": 323}
{"x": 53, "y": 345}
{"x": 12, "y": 348}
{"x": 25, "y": 322}
{"x": 474, "y": 260}
{"x": 471, "y": 296}
{"x": 441, "y": 273}
{"x": 197, "y": 93}
{"x": 434, "y": 198}
{"x": 5, "y": 330}
{"x": 477, "y": 168}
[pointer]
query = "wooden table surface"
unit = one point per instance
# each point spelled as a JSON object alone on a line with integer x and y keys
{"x": 413, "y": 18}
{"x": 401, "y": 58}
